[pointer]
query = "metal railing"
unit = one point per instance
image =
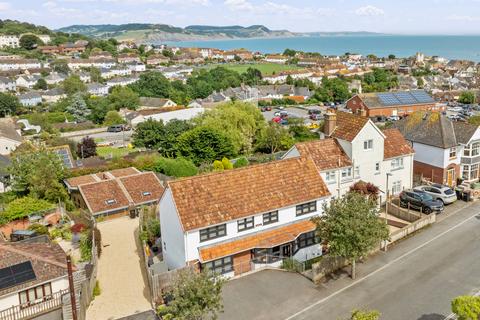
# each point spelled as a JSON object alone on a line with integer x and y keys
{"x": 28, "y": 311}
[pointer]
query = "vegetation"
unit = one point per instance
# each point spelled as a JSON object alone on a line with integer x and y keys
{"x": 123, "y": 97}
{"x": 266, "y": 69}
{"x": 351, "y": 227}
{"x": 467, "y": 97}
{"x": 379, "y": 80}
{"x": 365, "y": 315}
{"x": 73, "y": 84}
{"x": 274, "y": 138}
{"x": 87, "y": 148}
{"x": 332, "y": 90}
{"x": 78, "y": 108}
{"x": 8, "y": 104}
{"x": 30, "y": 42}
{"x": 23, "y": 207}
{"x": 113, "y": 117}
{"x": 466, "y": 307}
{"x": 97, "y": 290}
{"x": 366, "y": 188}
{"x": 194, "y": 295}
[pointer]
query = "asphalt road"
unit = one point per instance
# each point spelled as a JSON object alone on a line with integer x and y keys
{"x": 113, "y": 137}
{"x": 416, "y": 280}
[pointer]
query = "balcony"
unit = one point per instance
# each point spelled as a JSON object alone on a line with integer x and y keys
{"x": 32, "y": 310}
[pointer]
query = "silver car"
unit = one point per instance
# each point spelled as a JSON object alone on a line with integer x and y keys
{"x": 439, "y": 192}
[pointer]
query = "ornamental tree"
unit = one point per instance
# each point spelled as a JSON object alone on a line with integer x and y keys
{"x": 351, "y": 227}
{"x": 87, "y": 148}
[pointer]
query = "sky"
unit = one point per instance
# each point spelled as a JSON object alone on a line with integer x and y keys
{"x": 385, "y": 16}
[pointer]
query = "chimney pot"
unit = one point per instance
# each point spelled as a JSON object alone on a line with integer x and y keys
{"x": 330, "y": 123}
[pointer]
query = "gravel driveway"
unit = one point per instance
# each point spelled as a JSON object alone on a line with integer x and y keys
{"x": 124, "y": 289}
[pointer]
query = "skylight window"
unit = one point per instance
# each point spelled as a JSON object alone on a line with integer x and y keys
{"x": 146, "y": 193}
{"x": 110, "y": 201}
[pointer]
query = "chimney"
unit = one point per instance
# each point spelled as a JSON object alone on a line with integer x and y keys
{"x": 363, "y": 112}
{"x": 330, "y": 123}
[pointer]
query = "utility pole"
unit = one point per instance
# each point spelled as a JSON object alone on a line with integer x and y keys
{"x": 72, "y": 288}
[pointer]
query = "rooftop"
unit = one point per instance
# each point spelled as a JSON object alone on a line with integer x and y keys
{"x": 326, "y": 154}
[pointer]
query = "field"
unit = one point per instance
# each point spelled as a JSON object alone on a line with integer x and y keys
{"x": 265, "y": 68}
{"x": 108, "y": 152}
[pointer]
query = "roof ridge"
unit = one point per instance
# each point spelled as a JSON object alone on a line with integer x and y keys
{"x": 124, "y": 190}
{"x": 32, "y": 256}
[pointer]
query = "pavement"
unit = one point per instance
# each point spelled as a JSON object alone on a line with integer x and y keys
{"x": 121, "y": 274}
{"x": 416, "y": 279}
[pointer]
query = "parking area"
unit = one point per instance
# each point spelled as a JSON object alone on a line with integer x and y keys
{"x": 267, "y": 295}
{"x": 124, "y": 290}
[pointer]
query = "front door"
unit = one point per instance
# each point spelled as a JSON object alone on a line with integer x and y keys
{"x": 450, "y": 177}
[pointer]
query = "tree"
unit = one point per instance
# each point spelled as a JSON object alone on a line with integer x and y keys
{"x": 87, "y": 148}
{"x": 41, "y": 84}
{"x": 204, "y": 144}
{"x": 167, "y": 53}
{"x": 113, "y": 117}
{"x": 95, "y": 75}
{"x": 78, "y": 108}
{"x": 123, "y": 97}
{"x": 365, "y": 315}
{"x": 475, "y": 120}
{"x": 274, "y": 138}
{"x": 60, "y": 66}
{"x": 289, "y": 80}
{"x": 8, "y": 104}
{"x": 30, "y": 41}
{"x": 152, "y": 84}
{"x": 252, "y": 76}
{"x": 467, "y": 97}
{"x": 23, "y": 207}
{"x": 391, "y": 56}
{"x": 99, "y": 107}
{"x": 39, "y": 174}
{"x": 466, "y": 307}
{"x": 289, "y": 52}
{"x": 194, "y": 296}
{"x": 73, "y": 84}
{"x": 351, "y": 227}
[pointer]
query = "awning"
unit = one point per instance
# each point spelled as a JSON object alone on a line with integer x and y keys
{"x": 265, "y": 239}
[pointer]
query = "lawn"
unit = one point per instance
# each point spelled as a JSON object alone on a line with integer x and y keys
{"x": 108, "y": 152}
{"x": 265, "y": 68}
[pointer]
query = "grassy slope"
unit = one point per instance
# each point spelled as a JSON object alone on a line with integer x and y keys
{"x": 265, "y": 68}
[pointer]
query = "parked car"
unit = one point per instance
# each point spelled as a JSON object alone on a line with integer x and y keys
{"x": 455, "y": 109}
{"x": 439, "y": 192}
{"x": 314, "y": 111}
{"x": 115, "y": 128}
{"x": 420, "y": 200}
{"x": 393, "y": 118}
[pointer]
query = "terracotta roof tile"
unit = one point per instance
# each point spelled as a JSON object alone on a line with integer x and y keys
{"x": 265, "y": 239}
{"x": 143, "y": 187}
{"x": 76, "y": 181}
{"x": 348, "y": 126}
{"x": 214, "y": 198}
{"x": 48, "y": 261}
{"x": 97, "y": 194}
{"x": 395, "y": 144}
{"x": 117, "y": 173}
{"x": 327, "y": 154}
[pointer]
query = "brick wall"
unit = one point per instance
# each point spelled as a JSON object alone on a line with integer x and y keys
{"x": 435, "y": 174}
{"x": 355, "y": 104}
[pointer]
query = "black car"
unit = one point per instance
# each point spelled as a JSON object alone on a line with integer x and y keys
{"x": 420, "y": 200}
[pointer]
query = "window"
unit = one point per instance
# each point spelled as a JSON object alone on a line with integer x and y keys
{"x": 472, "y": 150}
{"x": 368, "y": 144}
{"x": 346, "y": 173}
{"x": 245, "y": 224}
{"x": 330, "y": 177}
{"x": 306, "y": 208}
{"x": 220, "y": 266}
{"x": 146, "y": 193}
{"x": 31, "y": 295}
{"x": 213, "y": 232}
{"x": 397, "y": 163}
{"x": 377, "y": 167}
{"x": 357, "y": 171}
{"x": 470, "y": 172}
{"x": 453, "y": 152}
{"x": 306, "y": 240}
{"x": 397, "y": 187}
{"x": 110, "y": 201}
{"x": 270, "y": 217}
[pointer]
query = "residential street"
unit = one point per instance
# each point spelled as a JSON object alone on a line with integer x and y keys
{"x": 416, "y": 279}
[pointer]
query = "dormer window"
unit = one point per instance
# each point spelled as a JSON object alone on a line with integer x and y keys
{"x": 110, "y": 201}
{"x": 146, "y": 193}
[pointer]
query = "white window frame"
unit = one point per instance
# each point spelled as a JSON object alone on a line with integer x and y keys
{"x": 397, "y": 163}
{"x": 347, "y": 173}
{"x": 331, "y": 176}
{"x": 368, "y": 145}
{"x": 397, "y": 187}
{"x": 452, "y": 152}
{"x": 377, "y": 167}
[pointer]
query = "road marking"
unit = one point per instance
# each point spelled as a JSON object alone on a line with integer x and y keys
{"x": 381, "y": 268}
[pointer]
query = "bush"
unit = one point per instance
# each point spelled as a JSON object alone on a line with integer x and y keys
{"x": 241, "y": 162}
{"x": 97, "y": 290}
{"x": 227, "y": 165}
{"x": 466, "y": 307}
{"x": 179, "y": 167}
{"x": 290, "y": 264}
{"x": 38, "y": 228}
{"x": 23, "y": 207}
{"x": 217, "y": 165}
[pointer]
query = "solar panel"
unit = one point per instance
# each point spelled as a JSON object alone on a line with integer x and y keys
{"x": 388, "y": 99}
{"x": 422, "y": 97}
{"x": 16, "y": 274}
{"x": 64, "y": 157}
{"x": 405, "y": 97}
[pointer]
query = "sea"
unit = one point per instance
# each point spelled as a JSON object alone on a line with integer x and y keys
{"x": 450, "y": 47}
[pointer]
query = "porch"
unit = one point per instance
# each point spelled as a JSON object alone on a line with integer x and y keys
{"x": 263, "y": 249}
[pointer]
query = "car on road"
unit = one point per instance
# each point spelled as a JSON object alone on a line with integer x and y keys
{"x": 393, "y": 118}
{"x": 420, "y": 200}
{"x": 455, "y": 109}
{"x": 439, "y": 192}
{"x": 115, "y": 128}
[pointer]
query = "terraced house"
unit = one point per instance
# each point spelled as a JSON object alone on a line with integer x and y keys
{"x": 240, "y": 220}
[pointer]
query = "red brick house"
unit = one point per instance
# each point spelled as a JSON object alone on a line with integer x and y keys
{"x": 388, "y": 104}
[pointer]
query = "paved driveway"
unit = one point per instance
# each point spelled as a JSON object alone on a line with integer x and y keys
{"x": 120, "y": 272}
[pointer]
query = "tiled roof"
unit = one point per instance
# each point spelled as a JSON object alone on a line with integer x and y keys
{"x": 395, "y": 144}
{"x": 107, "y": 175}
{"x": 464, "y": 131}
{"x": 348, "y": 126}
{"x": 143, "y": 187}
{"x": 219, "y": 197}
{"x": 97, "y": 195}
{"x": 265, "y": 239}
{"x": 76, "y": 181}
{"x": 326, "y": 153}
{"x": 117, "y": 173}
{"x": 48, "y": 261}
